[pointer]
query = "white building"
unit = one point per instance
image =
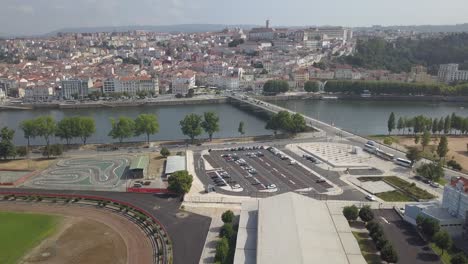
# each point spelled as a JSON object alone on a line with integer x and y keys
{"x": 131, "y": 85}
{"x": 74, "y": 88}
{"x": 182, "y": 82}
{"x": 292, "y": 228}
{"x": 456, "y": 198}
{"x": 38, "y": 93}
{"x": 450, "y": 73}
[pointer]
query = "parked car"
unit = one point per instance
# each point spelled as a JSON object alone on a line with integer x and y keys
{"x": 271, "y": 186}
{"x": 320, "y": 180}
{"x": 434, "y": 184}
{"x": 370, "y": 197}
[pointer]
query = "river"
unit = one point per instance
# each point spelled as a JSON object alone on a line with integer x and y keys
{"x": 369, "y": 117}
{"x": 168, "y": 116}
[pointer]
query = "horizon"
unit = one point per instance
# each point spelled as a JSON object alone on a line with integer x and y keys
{"x": 40, "y": 17}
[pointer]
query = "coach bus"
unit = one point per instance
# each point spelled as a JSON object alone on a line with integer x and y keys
{"x": 404, "y": 163}
{"x": 383, "y": 155}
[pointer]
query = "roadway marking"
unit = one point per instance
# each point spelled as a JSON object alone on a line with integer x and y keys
{"x": 292, "y": 182}
{"x": 385, "y": 220}
{"x": 268, "y": 164}
{"x": 275, "y": 169}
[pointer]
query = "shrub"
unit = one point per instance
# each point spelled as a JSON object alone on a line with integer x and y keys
{"x": 459, "y": 258}
{"x": 388, "y": 254}
{"x": 366, "y": 214}
{"x": 381, "y": 242}
{"x": 454, "y": 165}
{"x": 222, "y": 250}
{"x": 227, "y": 231}
{"x": 165, "y": 152}
{"x": 227, "y": 216}
{"x": 350, "y": 212}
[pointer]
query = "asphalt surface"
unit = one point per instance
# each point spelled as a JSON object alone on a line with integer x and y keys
{"x": 188, "y": 234}
{"x": 273, "y": 170}
{"x": 411, "y": 248}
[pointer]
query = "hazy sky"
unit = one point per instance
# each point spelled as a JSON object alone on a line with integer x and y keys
{"x": 42, "y": 16}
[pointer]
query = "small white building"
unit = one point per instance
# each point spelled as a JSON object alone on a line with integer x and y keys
{"x": 173, "y": 164}
{"x": 182, "y": 82}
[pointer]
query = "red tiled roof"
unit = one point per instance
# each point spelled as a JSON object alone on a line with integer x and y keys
{"x": 464, "y": 180}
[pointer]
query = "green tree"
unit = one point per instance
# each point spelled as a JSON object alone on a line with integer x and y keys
{"x": 391, "y": 123}
{"x": 442, "y": 148}
{"x": 416, "y": 139}
{"x": 222, "y": 250}
{"x": 22, "y": 151}
{"x": 7, "y": 148}
{"x": 29, "y": 129}
{"x": 447, "y": 125}
{"x": 441, "y": 125}
{"x": 53, "y": 150}
{"x": 180, "y": 182}
{"x": 227, "y": 231}
{"x": 400, "y": 124}
{"x": 210, "y": 123}
{"x": 432, "y": 171}
{"x": 298, "y": 123}
{"x": 191, "y": 126}
{"x": 443, "y": 240}
{"x": 273, "y": 87}
{"x": 241, "y": 128}
{"x": 227, "y": 216}
{"x": 413, "y": 154}
{"x": 46, "y": 128}
{"x": 122, "y": 128}
{"x": 165, "y": 152}
{"x": 366, "y": 214}
{"x": 350, "y": 212}
{"x": 434, "y": 127}
{"x": 388, "y": 254}
{"x": 429, "y": 227}
{"x": 311, "y": 86}
{"x": 459, "y": 258}
{"x": 86, "y": 127}
{"x": 67, "y": 129}
{"x": 426, "y": 139}
{"x": 146, "y": 124}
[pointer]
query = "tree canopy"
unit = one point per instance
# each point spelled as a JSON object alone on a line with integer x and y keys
{"x": 122, "y": 128}
{"x": 273, "y": 87}
{"x": 283, "y": 120}
{"x": 210, "y": 123}
{"x": 191, "y": 126}
{"x": 180, "y": 182}
{"x": 311, "y": 86}
{"x": 146, "y": 124}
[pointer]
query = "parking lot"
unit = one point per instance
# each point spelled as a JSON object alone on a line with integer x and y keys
{"x": 259, "y": 170}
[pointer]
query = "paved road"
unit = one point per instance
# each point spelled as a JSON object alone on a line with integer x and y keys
{"x": 187, "y": 234}
{"x": 404, "y": 238}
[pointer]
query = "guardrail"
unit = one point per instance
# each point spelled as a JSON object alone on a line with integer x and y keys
{"x": 167, "y": 252}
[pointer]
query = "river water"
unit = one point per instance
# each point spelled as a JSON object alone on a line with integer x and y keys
{"x": 361, "y": 117}
{"x": 369, "y": 117}
{"x": 168, "y": 117}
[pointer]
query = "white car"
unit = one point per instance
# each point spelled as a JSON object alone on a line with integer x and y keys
{"x": 370, "y": 197}
{"x": 434, "y": 184}
{"x": 271, "y": 186}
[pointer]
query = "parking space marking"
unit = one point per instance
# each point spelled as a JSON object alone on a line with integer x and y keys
{"x": 268, "y": 164}
{"x": 385, "y": 220}
{"x": 275, "y": 169}
{"x": 284, "y": 176}
{"x": 292, "y": 182}
{"x": 260, "y": 159}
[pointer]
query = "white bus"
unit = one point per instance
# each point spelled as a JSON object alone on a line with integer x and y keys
{"x": 404, "y": 163}
{"x": 369, "y": 148}
{"x": 383, "y": 155}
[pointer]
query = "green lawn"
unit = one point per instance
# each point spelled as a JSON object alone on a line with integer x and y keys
{"x": 448, "y": 254}
{"x": 368, "y": 250}
{"x": 407, "y": 187}
{"x": 20, "y": 232}
{"x": 394, "y": 196}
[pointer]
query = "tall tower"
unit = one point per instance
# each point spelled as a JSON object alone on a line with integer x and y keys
{"x": 267, "y": 23}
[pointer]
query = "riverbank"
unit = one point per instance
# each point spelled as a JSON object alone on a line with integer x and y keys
{"x": 337, "y": 96}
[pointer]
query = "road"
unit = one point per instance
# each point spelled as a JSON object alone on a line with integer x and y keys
{"x": 404, "y": 238}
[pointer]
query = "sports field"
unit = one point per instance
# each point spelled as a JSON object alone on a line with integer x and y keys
{"x": 20, "y": 232}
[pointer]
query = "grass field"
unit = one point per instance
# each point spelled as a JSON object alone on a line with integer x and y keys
{"x": 21, "y": 232}
{"x": 368, "y": 250}
{"x": 408, "y": 190}
{"x": 394, "y": 196}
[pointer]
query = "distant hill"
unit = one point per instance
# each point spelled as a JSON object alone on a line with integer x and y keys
{"x": 424, "y": 28}
{"x": 181, "y": 28}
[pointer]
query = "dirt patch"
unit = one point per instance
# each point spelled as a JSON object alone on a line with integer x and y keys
{"x": 25, "y": 164}
{"x": 156, "y": 166}
{"x": 457, "y": 148}
{"x": 80, "y": 241}
{"x": 87, "y": 235}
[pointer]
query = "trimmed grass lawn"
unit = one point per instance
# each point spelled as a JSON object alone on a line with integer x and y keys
{"x": 20, "y": 232}
{"x": 448, "y": 254}
{"x": 394, "y": 196}
{"x": 407, "y": 187}
{"x": 368, "y": 250}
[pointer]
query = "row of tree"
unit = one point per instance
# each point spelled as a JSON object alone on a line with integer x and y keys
{"x": 394, "y": 88}
{"x": 387, "y": 253}
{"x": 284, "y": 121}
{"x": 273, "y": 87}
{"x": 451, "y": 124}
{"x": 226, "y": 246}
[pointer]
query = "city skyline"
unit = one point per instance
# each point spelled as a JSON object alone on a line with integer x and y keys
{"x": 29, "y": 17}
